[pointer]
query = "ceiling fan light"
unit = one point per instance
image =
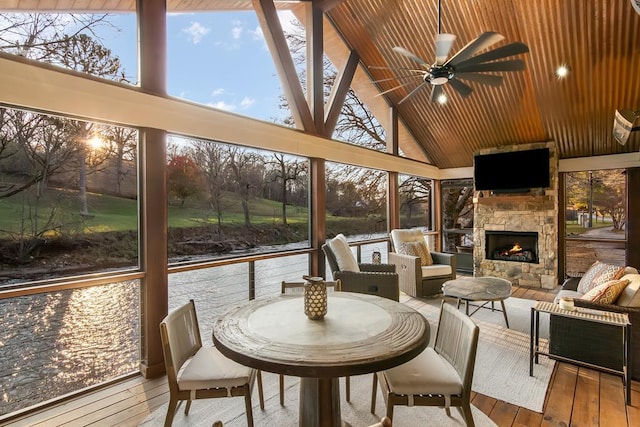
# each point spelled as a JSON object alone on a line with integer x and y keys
{"x": 562, "y": 71}
{"x": 439, "y": 81}
{"x": 442, "y": 99}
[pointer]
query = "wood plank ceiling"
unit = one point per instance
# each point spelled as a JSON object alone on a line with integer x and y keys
{"x": 599, "y": 40}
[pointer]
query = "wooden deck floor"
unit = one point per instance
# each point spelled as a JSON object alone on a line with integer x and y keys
{"x": 576, "y": 397}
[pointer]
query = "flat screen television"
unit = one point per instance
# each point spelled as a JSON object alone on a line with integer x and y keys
{"x": 513, "y": 171}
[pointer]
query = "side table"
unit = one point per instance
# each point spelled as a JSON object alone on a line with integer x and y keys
{"x": 618, "y": 320}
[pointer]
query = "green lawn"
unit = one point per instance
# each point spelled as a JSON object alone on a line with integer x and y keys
{"x": 110, "y": 213}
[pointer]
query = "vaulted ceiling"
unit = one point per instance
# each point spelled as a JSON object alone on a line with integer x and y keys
{"x": 599, "y": 41}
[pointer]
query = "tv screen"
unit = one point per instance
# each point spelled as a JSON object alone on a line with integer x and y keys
{"x": 512, "y": 171}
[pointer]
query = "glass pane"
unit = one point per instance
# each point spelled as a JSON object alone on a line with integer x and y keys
{"x": 457, "y": 221}
{"x": 416, "y": 202}
{"x": 98, "y": 44}
{"x": 220, "y": 59}
{"x": 68, "y": 197}
{"x": 356, "y": 202}
{"x": 57, "y": 343}
{"x": 225, "y": 199}
{"x": 595, "y": 219}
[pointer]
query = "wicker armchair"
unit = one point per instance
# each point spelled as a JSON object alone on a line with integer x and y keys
{"x": 374, "y": 279}
{"x": 567, "y": 336}
{"x": 416, "y": 280}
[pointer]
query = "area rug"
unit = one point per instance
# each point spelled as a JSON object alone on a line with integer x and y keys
{"x": 502, "y": 361}
{"x": 231, "y": 410}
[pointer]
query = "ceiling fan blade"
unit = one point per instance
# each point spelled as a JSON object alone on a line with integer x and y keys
{"x": 510, "y": 65}
{"x": 483, "y": 41}
{"x": 443, "y": 46}
{"x": 396, "y": 78}
{"x": 487, "y": 79}
{"x": 380, "y": 67}
{"x": 393, "y": 88}
{"x": 499, "y": 53}
{"x": 463, "y": 89}
{"x": 436, "y": 92}
{"x": 413, "y": 92}
{"x": 410, "y": 55}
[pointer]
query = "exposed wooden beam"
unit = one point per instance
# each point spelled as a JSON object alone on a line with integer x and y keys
{"x": 274, "y": 37}
{"x": 315, "y": 65}
{"x": 339, "y": 93}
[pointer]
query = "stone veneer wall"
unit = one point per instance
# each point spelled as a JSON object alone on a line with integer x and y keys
{"x": 536, "y": 211}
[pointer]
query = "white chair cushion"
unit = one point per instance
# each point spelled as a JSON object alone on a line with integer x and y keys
{"x": 435, "y": 270}
{"x": 427, "y": 373}
{"x": 410, "y": 235}
{"x": 344, "y": 257}
{"x": 209, "y": 368}
{"x": 630, "y": 297}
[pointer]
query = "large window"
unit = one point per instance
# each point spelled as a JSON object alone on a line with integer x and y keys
{"x": 596, "y": 217}
{"x": 457, "y": 221}
{"x": 68, "y": 197}
{"x": 416, "y": 202}
{"x": 226, "y": 199}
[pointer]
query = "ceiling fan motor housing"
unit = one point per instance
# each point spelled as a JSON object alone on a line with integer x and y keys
{"x": 439, "y": 75}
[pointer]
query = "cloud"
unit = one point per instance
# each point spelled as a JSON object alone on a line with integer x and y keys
{"x": 196, "y": 31}
{"x": 237, "y": 29}
{"x": 247, "y": 102}
{"x": 257, "y": 34}
{"x": 223, "y": 106}
{"x": 217, "y": 92}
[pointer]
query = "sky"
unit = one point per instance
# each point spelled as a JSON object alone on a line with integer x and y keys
{"x": 217, "y": 59}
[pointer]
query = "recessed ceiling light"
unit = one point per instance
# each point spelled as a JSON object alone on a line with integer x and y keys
{"x": 562, "y": 71}
{"x": 442, "y": 99}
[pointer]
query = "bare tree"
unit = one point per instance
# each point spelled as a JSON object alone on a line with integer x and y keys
{"x": 286, "y": 170}
{"x": 212, "y": 159}
{"x": 242, "y": 163}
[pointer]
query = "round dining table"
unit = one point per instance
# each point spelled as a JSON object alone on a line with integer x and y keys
{"x": 359, "y": 334}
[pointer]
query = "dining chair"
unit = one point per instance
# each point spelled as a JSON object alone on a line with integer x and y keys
{"x": 197, "y": 372}
{"x": 439, "y": 376}
{"x": 297, "y": 287}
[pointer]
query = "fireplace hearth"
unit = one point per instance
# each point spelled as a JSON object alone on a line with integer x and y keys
{"x": 516, "y": 246}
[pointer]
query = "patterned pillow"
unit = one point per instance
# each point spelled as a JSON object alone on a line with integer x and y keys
{"x": 598, "y": 274}
{"x": 606, "y": 293}
{"x": 417, "y": 249}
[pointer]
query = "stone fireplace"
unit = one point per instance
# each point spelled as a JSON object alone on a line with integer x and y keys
{"x": 516, "y": 235}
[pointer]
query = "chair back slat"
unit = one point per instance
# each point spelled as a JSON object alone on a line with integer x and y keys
{"x": 331, "y": 258}
{"x": 180, "y": 335}
{"x": 456, "y": 341}
{"x": 298, "y": 287}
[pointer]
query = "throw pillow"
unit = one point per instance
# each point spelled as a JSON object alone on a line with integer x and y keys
{"x": 417, "y": 249}
{"x": 598, "y": 274}
{"x": 606, "y": 293}
{"x": 344, "y": 257}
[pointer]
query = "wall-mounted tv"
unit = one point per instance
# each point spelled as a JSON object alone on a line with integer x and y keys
{"x": 513, "y": 171}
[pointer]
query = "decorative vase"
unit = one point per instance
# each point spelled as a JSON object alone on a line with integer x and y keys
{"x": 315, "y": 297}
{"x": 376, "y": 257}
{"x": 566, "y": 303}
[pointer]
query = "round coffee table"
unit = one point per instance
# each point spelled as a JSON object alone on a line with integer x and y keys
{"x": 488, "y": 289}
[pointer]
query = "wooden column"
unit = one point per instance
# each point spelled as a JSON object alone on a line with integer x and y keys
{"x": 562, "y": 221}
{"x": 633, "y": 217}
{"x": 393, "y": 194}
{"x": 153, "y": 188}
{"x": 318, "y": 209}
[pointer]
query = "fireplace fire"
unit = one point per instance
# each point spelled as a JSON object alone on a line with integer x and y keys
{"x": 512, "y": 246}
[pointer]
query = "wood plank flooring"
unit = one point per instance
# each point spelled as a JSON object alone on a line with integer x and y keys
{"x": 577, "y": 397}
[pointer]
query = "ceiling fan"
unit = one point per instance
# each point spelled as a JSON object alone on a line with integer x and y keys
{"x": 461, "y": 66}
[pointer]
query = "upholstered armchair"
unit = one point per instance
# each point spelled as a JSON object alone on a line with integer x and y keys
{"x": 374, "y": 279}
{"x": 421, "y": 274}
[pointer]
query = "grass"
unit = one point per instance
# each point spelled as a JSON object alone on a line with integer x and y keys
{"x": 110, "y": 213}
